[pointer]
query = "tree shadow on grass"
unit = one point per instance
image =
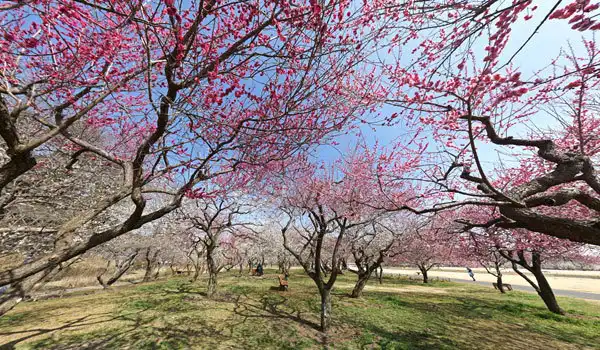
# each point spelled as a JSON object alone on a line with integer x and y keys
{"x": 277, "y": 310}
{"x": 175, "y": 316}
{"x": 78, "y": 323}
{"x": 142, "y": 329}
{"x": 268, "y": 308}
{"x": 447, "y": 315}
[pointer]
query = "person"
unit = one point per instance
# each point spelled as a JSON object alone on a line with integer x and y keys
{"x": 259, "y": 269}
{"x": 471, "y": 274}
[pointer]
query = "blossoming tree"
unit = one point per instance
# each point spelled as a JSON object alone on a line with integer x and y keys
{"x": 185, "y": 91}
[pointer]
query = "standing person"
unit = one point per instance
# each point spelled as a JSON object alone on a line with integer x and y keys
{"x": 259, "y": 269}
{"x": 471, "y": 274}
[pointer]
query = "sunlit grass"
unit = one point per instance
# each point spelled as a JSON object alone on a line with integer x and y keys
{"x": 249, "y": 313}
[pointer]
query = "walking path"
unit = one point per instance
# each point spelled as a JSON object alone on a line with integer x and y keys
{"x": 576, "y": 284}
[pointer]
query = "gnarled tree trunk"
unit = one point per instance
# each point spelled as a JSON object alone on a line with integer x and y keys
{"x": 545, "y": 291}
{"x": 499, "y": 283}
{"x": 542, "y": 287}
{"x": 11, "y": 295}
{"x": 150, "y": 262}
{"x": 499, "y": 277}
{"x": 424, "y": 271}
{"x": 14, "y": 294}
{"x": 357, "y": 291}
{"x": 211, "y": 266}
{"x": 121, "y": 268}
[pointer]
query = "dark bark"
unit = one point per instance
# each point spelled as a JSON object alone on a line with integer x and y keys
{"x": 17, "y": 166}
{"x": 211, "y": 266}
{"x": 545, "y": 292}
{"x": 121, "y": 268}
{"x": 325, "y": 309}
{"x": 159, "y": 266}
{"x": 542, "y": 287}
{"x": 498, "y": 274}
{"x": 135, "y": 172}
{"x": 211, "y": 288}
{"x": 524, "y": 276}
{"x": 312, "y": 264}
{"x": 519, "y": 201}
{"x": 357, "y": 291}
{"x": 150, "y": 264}
{"x": 499, "y": 283}
{"x": 364, "y": 274}
{"x": 15, "y": 293}
{"x": 424, "y": 271}
{"x": 20, "y": 161}
{"x": 74, "y": 249}
{"x": 196, "y": 274}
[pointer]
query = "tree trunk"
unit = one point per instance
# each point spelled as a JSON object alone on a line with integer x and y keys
{"x": 542, "y": 287}
{"x": 196, "y": 274}
{"x": 380, "y": 274}
{"x": 360, "y": 285}
{"x": 150, "y": 258}
{"x": 157, "y": 272}
{"x": 499, "y": 283}
{"x": 14, "y": 294}
{"x": 498, "y": 277}
{"x": 211, "y": 288}
{"x": 99, "y": 277}
{"x": 17, "y": 166}
{"x": 424, "y": 273}
{"x": 118, "y": 274}
{"x": 516, "y": 269}
{"x": 546, "y": 293}
{"x": 121, "y": 268}
{"x": 148, "y": 273}
{"x": 325, "y": 309}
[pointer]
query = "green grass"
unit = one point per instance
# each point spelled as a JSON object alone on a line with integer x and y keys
{"x": 249, "y": 313}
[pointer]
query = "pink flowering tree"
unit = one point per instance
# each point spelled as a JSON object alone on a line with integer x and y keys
{"x": 374, "y": 244}
{"x": 316, "y": 217}
{"x": 468, "y": 85}
{"x": 185, "y": 91}
{"x": 530, "y": 251}
{"x": 482, "y": 249}
{"x": 426, "y": 244}
{"x": 323, "y": 204}
{"x": 522, "y": 249}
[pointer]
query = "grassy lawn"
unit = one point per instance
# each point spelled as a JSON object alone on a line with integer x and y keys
{"x": 250, "y": 314}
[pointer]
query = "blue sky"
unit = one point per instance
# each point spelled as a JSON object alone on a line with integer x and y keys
{"x": 546, "y": 45}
